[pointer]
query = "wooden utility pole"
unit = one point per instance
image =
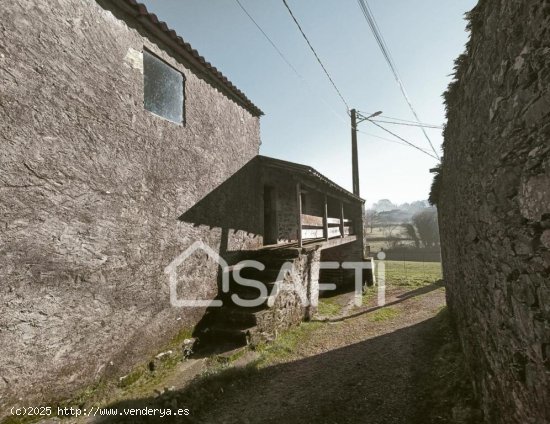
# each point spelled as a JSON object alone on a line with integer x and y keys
{"x": 299, "y": 204}
{"x": 354, "y": 156}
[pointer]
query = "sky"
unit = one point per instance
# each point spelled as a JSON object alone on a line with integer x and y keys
{"x": 305, "y": 120}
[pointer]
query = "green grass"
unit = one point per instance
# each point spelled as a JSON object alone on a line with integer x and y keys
{"x": 384, "y": 314}
{"x": 369, "y": 293}
{"x": 284, "y": 346}
{"x": 411, "y": 274}
{"x": 328, "y": 308}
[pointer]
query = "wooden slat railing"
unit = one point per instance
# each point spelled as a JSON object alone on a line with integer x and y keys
{"x": 313, "y": 227}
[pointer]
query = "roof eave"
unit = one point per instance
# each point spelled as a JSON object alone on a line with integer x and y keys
{"x": 159, "y": 29}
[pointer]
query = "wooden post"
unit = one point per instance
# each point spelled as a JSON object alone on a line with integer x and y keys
{"x": 325, "y": 219}
{"x": 341, "y": 219}
{"x": 299, "y": 204}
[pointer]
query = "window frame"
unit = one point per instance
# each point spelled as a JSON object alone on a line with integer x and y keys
{"x": 183, "y": 82}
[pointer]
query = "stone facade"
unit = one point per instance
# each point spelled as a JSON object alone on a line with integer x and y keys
{"x": 96, "y": 192}
{"x": 296, "y": 300}
{"x": 493, "y": 197}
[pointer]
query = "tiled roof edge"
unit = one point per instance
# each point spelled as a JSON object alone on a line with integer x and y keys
{"x": 142, "y": 14}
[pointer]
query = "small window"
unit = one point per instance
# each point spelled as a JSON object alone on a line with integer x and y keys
{"x": 163, "y": 88}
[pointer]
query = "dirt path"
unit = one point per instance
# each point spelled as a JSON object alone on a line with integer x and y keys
{"x": 354, "y": 371}
{"x": 359, "y": 370}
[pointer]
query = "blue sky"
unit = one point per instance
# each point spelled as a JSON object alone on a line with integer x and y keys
{"x": 307, "y": 123}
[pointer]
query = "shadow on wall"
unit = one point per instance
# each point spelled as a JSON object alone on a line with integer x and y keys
{"x": 313, "y": 389}
{"x": 235, "y": 206}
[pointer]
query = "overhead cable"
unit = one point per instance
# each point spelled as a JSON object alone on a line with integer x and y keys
{"x": 405, "y": 141}
{"x": 363, "y": 4}
{"x": 316, "y": 55}
{"x": 290, "y": 65}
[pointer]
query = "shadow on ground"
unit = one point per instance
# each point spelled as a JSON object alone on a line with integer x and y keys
{"x": 379, "y": 380}
{"x": 400, "y": 298}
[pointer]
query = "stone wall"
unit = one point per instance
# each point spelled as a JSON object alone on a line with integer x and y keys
{"x": 97, "y": 196}
{"x": 493, "y": 197}
{"x": 296, "y": 300}
{"x": 286, "y": 203}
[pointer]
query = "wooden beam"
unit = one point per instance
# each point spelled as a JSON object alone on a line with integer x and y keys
{"x": 299, "y": 204}
{"x": 348, "y": 231}
{"x": 312, "y": 234}
{"x": 312, "y": 220}
{"x": 325, "y": 218}
{"x": 341, "y": 219}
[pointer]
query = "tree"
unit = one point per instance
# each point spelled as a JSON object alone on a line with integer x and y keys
{"x": 371, "y": 219}
{"x": 384, "y": 205}
{"x": 427, "y": 226}
{"x": 411, "y": 233}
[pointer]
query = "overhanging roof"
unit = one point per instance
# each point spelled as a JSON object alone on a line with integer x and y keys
{"x": 309, "y": 172}
{"x": 159, "y": 29}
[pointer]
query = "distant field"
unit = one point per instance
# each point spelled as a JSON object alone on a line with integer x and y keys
{"x": 413, "y": 274}
{"x": 377, "y": 238}
{"x": 377, "y": 245}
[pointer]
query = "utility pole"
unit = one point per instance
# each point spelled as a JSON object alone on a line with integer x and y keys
{"x": 355, "y": 119}
{"x": 354, "y": 156}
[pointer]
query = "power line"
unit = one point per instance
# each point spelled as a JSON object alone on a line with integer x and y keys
{"x": 290, "y": 65}
{"x": 410, "y": 124}
{"x": 293, "y": 68}
{"x": 383, "y": 138}
{"x": 316, "y": 55}
{"x": 392, "y": 141}
{"x": 402, "y": 139}
{"x": 363, "y": 4}
{"x": 399, "y": 119}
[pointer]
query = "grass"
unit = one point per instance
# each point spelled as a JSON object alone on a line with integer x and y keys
{"x": 411, "y": 274}
{"x": 284, "y": 346}
{"x": 328, "y": 308}
{"x": 219, "y": 373}
{"x": 384, "y": 314}
{"x": 369, "y": 294}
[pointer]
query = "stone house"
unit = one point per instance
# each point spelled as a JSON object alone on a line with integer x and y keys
{"x": 122, "y": 146}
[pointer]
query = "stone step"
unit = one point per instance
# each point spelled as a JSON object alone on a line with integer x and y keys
{"x": 244, "y": 295}
{"x": 235, "y": 287}
{"x": 235, "y": 316}
{"x": 269, "y": 274}
{"x": 219, "y": 334}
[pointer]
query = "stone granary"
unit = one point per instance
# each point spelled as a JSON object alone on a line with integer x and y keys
{"x": 121, "y": 148}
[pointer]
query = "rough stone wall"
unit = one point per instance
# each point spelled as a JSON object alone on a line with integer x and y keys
{"x": 297, "y": 298}
{"x": 92, "y": 186}
{"x": 493, "y": 197}
{"x": 286, "y": 207}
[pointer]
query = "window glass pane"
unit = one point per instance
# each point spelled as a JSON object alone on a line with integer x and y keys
{"x": 163, "y": 88}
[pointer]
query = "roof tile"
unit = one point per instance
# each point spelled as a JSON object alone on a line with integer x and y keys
{"x": 141, "y": 10}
